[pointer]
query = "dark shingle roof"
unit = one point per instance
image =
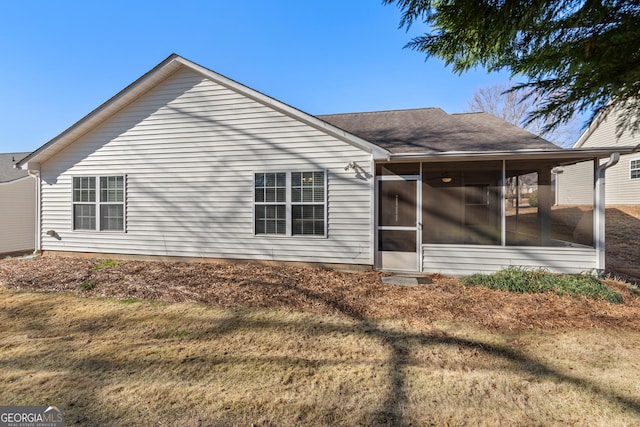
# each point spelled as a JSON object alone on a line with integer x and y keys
{"x": 432, "y": 131}
{"x": 7, "y": 171}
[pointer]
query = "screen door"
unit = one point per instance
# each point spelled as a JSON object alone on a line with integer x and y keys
{"x": 397, "y": 223}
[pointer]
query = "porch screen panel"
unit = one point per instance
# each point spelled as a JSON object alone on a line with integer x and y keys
{"x": 397, "y": 240}
{"x": 397, "y": 203}
{"x": 532, "y": 216}
{"x": 461, "y": 203}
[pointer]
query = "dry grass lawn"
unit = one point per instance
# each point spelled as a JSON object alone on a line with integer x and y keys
{"x": 161, "y": 344}
{"x": 115, "y": 363}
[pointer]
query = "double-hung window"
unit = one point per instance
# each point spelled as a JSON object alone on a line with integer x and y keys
{"x": 634, "y": 169}
{"x": 271, "y": 203}
{"x": 290, "y": 203}
{"x": 307, "y": 203}
{"x": 98, "y": 203}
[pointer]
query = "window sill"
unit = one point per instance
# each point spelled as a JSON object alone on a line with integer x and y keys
{"x": 284, "y": 236}
{"x": 100, "y": 231}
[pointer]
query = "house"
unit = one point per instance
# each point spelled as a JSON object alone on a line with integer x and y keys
{"x": 574, "y": 184}
{"x": 17, "y": 206}
{"x": 186, "y": 163}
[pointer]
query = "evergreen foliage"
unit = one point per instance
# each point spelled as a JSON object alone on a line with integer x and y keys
{"x": 578, "y": 56}
{"x": 522, "y": 280}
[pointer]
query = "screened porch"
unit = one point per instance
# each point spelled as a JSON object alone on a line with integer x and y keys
{"x": 469, "y": 216}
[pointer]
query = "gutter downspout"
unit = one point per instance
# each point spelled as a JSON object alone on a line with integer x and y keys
{"x": 503, "y": 205}
{"x": 599, "y": 217}
{"x": 374, "y": 214}
{"x": 36, "y": 174}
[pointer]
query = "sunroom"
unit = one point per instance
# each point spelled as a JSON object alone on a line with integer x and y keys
{"x": 460, "y": 214}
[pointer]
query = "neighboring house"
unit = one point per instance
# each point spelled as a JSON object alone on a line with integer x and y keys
{"x": 574, "y": 183}
{"x": 187, "y": 163}
{"x": 17, "y": 206}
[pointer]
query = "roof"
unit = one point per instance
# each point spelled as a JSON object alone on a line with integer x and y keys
{"x": 159, "y": 73}
{"x": 419, "y": 133}
{"x": 433, "y": 131}
{"x": 7, "y": 171}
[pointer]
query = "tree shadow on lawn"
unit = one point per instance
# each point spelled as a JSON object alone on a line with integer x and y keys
{"x": 390, "y": 412}
{"x": 78, "y": 366}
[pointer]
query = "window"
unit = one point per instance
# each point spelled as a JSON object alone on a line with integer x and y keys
{"x": 84, "y": 207}
{"x": 271, "y": 207}
{"x": 290, "y": 203}
{"x": 307, "y": 203}
{"x": 98, "y": 203}
{"x": 634, "y": 169}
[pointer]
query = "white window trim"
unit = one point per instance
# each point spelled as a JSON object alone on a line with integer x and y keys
{"x": 256, "y": 203}
{"x": 98, "y": 202}
{"x": 288, "y": 203}
{"x": 631, "y": 169}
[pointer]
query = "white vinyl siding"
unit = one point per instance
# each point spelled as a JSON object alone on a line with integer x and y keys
{"x": 575, "y": 184}
{"x": 634, "y": 169}
{"x": 189, "y": 148}
{"x": 461, "y": 260}
{"x": 17, "y": 215}
{"x": 606, "y": 135}
{"x": 620, "y": 188}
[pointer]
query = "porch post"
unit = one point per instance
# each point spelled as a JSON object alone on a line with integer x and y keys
{"x": 599, "y": 211}
{"x": 545, "y": 200}
{"x": 503, "y": 210}
{"x": 598, "y": 218}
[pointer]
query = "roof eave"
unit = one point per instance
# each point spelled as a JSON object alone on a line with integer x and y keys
{"x": 560, "y": 154}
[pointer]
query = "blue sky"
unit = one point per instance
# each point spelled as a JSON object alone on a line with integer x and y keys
{"x": 62, "y": 59}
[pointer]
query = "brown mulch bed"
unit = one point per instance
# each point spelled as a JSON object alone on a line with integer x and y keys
{"x": 358, "y": 295}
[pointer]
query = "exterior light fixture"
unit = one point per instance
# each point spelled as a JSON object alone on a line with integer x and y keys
{"x": 447, "y": 179}
{"x": 54, "y": 234}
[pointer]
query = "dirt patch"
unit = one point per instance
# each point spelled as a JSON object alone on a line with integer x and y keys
{"x": 355, "y": 295}
{"x": 623, "y": 247}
